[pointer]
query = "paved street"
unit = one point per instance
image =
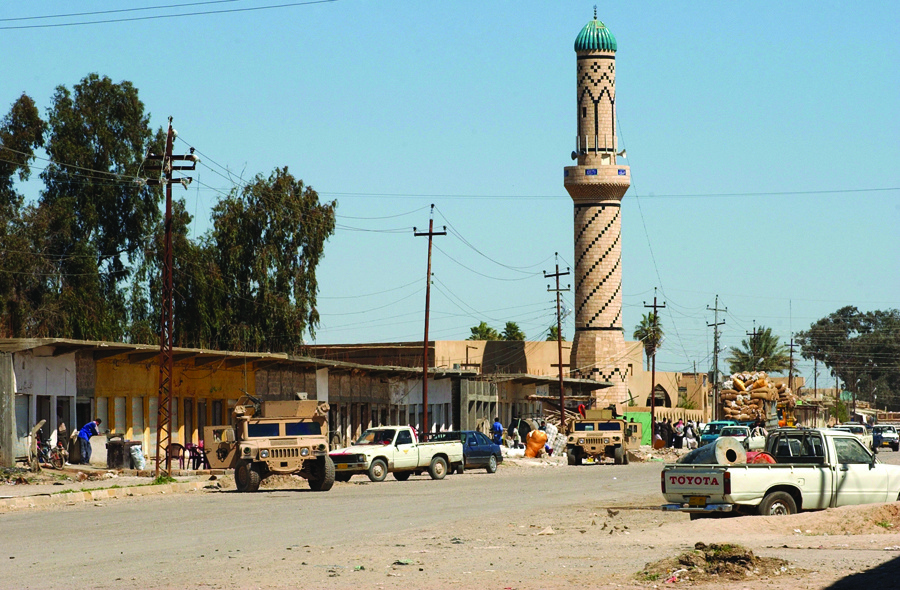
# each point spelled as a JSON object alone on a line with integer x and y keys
{"x": 192, "y": 538}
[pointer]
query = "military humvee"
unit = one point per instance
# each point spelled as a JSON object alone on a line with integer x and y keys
{"x": 598, "y": 435}
{"x": 273, "y": 438}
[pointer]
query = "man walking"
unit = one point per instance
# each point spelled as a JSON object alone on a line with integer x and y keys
{"x": 497, "y": 431}
{"x": 84, "y": 439}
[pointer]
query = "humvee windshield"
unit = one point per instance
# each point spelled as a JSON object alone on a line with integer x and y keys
{"x": 376, "y": 437}
{"x": 590, "y": 426}
{"x": 272, "y": 429}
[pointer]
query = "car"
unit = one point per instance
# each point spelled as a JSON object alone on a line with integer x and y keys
{"x": 712, "y": 430}
{"x": 889, "y": 435}
{"x": 479, "y": 451}
{"x": 739, "y": 433}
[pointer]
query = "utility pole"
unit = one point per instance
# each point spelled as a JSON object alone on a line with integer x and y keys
{"x": 562, "y": 388}
{"x": 715, "y": 326}
{"x": 791, "y": 365}
{"x": 430, "y": 233}
{"x": 163, "y": 165}
{"x": 653, "y": 364}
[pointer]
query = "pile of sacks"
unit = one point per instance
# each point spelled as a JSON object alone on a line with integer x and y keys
{"x": 744, "y": 395}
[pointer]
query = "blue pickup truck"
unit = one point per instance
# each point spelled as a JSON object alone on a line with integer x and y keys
{"x": 478, "y": 450}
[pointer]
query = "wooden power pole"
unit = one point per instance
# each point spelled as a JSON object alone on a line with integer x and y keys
{"x": 430, "y": 233}
{"x": 562, "y": 388}
{"x": 653, "y": 365}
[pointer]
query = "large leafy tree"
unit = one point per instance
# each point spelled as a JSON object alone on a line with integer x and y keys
{"x": 512, "y": 332}
{"x": 483, "y": 332}
{"x": 553, "y": 333}
{"x": 21, "y": 132}
{"x": 267, "y": 240}
{"x": 762, "y": 351}
{"x": 650, "y": 332}
{"x": 861, "y": 348}
{"x": 100, "y": 218}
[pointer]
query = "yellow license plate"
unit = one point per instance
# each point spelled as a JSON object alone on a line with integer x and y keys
{"x": 697, "y": 501}
{"x": 341, "y": 466}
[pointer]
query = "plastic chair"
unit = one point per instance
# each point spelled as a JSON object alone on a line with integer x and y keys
{"x": 176, "y": 451}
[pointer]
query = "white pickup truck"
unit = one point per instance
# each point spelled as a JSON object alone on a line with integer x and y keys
{"x": 814, "y": 469}
{"x": 395, "y": 449}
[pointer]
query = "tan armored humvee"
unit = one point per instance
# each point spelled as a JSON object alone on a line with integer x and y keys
{"x": 273, "y": 438}
{"x": 599, "y": 435}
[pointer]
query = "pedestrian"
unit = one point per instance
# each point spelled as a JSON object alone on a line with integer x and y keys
{"x": 543, "y": 426}
{"x": 690, "y": 435}
{"x": 497, "y": 431}
{"x": 84, "y": 439}
{"x": 668, "y": 432}
{"x": 679, "y": 434}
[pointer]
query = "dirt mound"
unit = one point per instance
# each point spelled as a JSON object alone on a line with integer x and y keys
{"x": 714, "y": 562}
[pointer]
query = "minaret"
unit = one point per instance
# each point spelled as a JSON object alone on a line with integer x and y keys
{"x": 597, "y": 185}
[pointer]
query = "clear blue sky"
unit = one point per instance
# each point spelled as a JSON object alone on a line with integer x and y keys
{"x": 751, "y": 130}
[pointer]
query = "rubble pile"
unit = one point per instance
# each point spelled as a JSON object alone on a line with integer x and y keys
{"x": 744, "y": 395}
{"x": 716, "y": 562}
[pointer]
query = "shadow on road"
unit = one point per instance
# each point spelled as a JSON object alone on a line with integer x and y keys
{"x": 883, "y": 576}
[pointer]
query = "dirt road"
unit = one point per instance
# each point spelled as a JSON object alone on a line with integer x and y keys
{"x": 547, "y": 526}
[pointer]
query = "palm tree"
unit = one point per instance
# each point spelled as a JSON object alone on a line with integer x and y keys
{"x": 512, "y": 332}
{"x": 761, "y": 352}
{"x": 650, "y": 332}
{"x": 553, "y": 334}
{"x": 483, "y": 332}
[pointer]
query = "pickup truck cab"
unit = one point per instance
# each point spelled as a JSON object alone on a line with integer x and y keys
{"x": 860, "y": 431}
{"x": 396, "y": 449}
{"x": 814, "y": 469}
{"x": 713, "y": 429}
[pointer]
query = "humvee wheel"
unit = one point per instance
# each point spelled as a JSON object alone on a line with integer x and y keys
{"x": 341, "y": 477}
{"x": 378, "y": 470}
{"x": 438, "y": 468}
{"x": 572, "y": 457}
{"x": 492, "y": 464}
{"x": 402, "y": 475}
{"x": 324, "y": 475}
{"x": 246, "y": 478}
{"x": 624, "y": 456}
{"x": 619, "y": 455}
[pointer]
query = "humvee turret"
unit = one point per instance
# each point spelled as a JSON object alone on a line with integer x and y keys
{"x": 273, "y": 438}
{"x": 599, "y": 435}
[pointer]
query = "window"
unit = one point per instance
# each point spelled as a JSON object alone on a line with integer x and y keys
{"x": 849, "y": 450}
{"x": 471, "y": 439}
{"x": 302, "y": 428}
{"x": 482, "y": 438}
{"x": 262, "y": 430}
{"x": 583, "y": 112}
{"x": 584, "y": 426}
{"x": 404, "y": 437}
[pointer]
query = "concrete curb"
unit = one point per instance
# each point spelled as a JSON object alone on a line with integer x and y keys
{"x": 73, "y": 498}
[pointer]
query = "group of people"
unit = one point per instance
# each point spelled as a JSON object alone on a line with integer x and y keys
{"x": 681, "y": 435}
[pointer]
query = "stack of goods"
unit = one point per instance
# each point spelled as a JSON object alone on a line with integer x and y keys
{"x": 744, "y": 396}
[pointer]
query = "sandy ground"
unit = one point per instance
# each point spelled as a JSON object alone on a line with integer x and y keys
{"x": 602, "y": 544}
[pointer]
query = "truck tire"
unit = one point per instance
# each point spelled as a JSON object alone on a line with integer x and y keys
{"x": 460, "y": 468}
{"x": 402, "y": 475}
{"x": 342, "y": 476}
{"x": 573, "y": 457}
{"x": 323, "y": 475}
{"x": 378, "y": 470}
{"x": 778, "y": 504}
{"x": 246, "y": 477}
{"x": 619, "y": 455}
{"x": 492, "y": 464}
{"x": 896, "y": 447}
{"x": 438, "y": 468}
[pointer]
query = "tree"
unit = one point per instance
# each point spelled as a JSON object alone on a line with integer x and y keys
{"x": 21, "y": 132}
{"x": 512, "y": 332}
{"x": 860, "y": 348}
{"x": 553, "y": 333}
{"x": 761, "y": 352}
{"x": 100, "y": 218}
{"x": 650, "y": 332}
{"x": 267, "y": 240}
{"x": 483, "y": 332}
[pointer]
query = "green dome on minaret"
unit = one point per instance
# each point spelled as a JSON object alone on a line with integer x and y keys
{"x": 595, "y": 37}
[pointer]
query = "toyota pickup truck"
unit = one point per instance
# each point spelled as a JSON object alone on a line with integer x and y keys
{"x": 395, "y": 449}
{"x": 814, "y": 469}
